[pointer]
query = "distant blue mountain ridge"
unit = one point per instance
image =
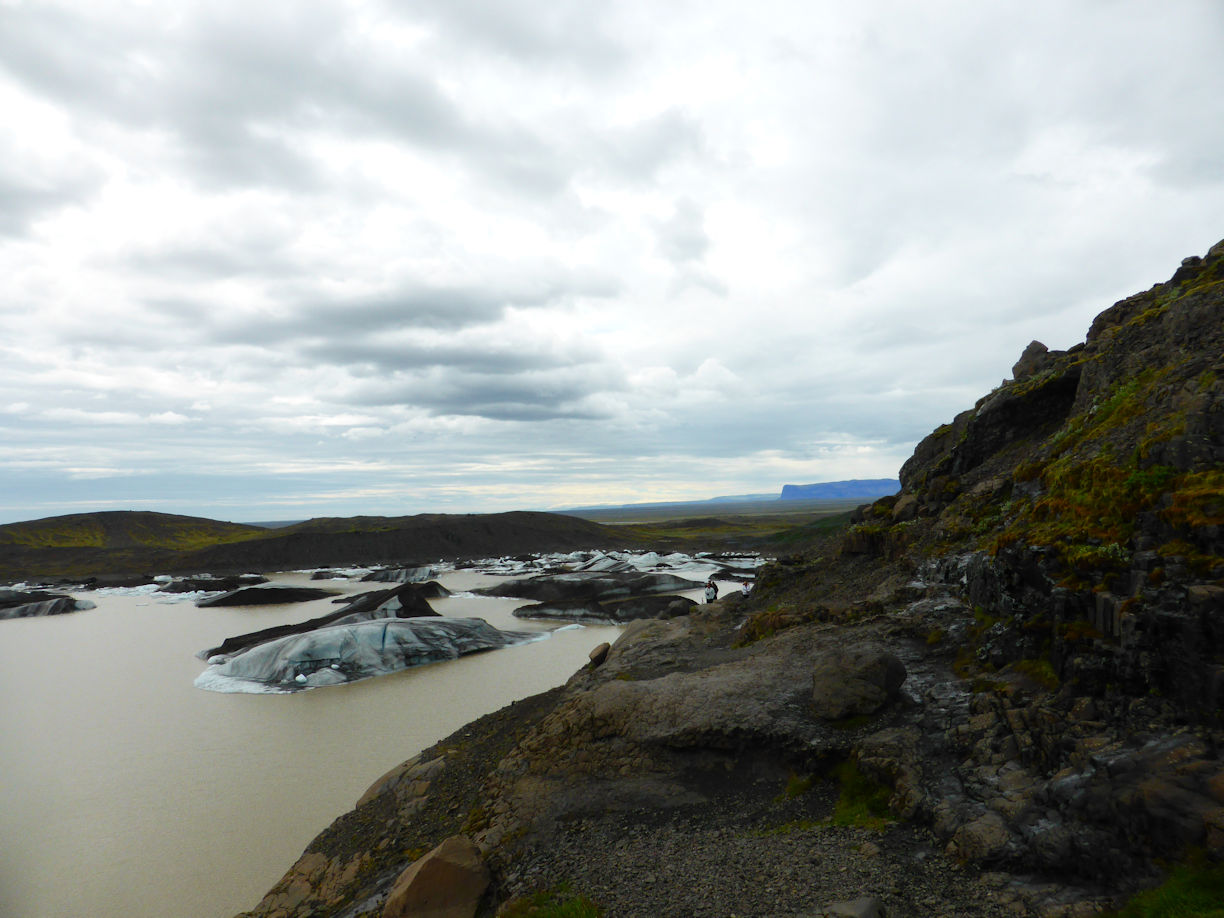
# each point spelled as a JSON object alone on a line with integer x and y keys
{"x": 857, "y": 489}
{"x": 833, "y": 490}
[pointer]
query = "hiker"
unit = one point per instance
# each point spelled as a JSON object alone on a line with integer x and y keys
{"x": 711, "y": 590}
{"x": 746, "y": 587}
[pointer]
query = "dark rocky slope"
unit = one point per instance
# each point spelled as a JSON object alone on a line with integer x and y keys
{"x": 1047, "y": 589}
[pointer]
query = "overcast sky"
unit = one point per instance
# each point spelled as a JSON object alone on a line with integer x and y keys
{"x": 271, "y": 260}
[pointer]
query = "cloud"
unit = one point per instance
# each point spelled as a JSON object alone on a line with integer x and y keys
{"x": 569, "y": 35}
{"x": 683, "y": 237}
{"x": 416, "y": 254}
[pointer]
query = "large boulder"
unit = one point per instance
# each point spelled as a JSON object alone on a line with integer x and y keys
{"x": 445, "y": 883}
{"x": 1035, "y": 359}
{"x": 855, "y": 681}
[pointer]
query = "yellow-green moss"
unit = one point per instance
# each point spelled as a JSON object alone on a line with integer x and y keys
{"x": 559, "y": 902}
{"x": 1193, "y": 890}
{"x": 1040, "y": 671}
{"x": 796, "y": 786}
{"x": 861, "y": 800}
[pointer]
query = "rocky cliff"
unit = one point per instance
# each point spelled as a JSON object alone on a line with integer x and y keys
{"x": 997, "y": 693}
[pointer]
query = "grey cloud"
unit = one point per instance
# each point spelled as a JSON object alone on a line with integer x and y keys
{"x": 236, "y": 92}
{"x": 35, "y": 48}
{"x": 234, "y": 88}
{"x": 376, "y": 357}
{"x": 437, "y": 308}
{"x": 683, "y": 237}
{"x": 524, "y": 396}
{"x": 303, "y": 315}
{"x": 21, "y": 202}
{"x": 568, "y": 33}
{"x": 214, "y": 260}
{"x": 239, "y": 91}
{"x": 640, "y": 149}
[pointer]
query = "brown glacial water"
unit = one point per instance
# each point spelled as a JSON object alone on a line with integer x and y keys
{"x": 126, "y": 791}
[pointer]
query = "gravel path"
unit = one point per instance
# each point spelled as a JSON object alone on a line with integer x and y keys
{"x": 745, "y": 854}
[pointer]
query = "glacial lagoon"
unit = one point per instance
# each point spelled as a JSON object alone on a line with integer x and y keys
{"x": 130, "y": 792}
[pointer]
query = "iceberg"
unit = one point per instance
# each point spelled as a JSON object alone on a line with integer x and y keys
{"x": 348, "y": 652}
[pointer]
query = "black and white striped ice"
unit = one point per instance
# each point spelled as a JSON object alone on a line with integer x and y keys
{"x": 349, "y": 652}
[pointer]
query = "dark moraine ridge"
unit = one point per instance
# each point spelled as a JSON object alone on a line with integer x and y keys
{"x": 117, "y": 544}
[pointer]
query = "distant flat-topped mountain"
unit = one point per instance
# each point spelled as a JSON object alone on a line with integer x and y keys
{"x": 864, "y": 488}
{"x": 856, "y": 489}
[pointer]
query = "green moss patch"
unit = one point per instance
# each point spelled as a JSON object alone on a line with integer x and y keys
{"x": 559, "y": 902}
{"x": 1191, "y": 891}
{"x": 861, "y": 801}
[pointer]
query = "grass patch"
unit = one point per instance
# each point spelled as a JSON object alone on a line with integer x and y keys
{"x": 852, "y": 723}
{"x": 1040, "y": 671}
{"x": 788, "y": 828}
{"x": 769, "y": 622}
{"x": 559, "y": 902}
{"x": 861, "y": 801}
{"x": 796, "y": 786}
{"x": 1192, "y": 890}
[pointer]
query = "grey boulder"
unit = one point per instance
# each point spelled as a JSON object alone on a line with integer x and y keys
{"x": 855, "y": 681}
